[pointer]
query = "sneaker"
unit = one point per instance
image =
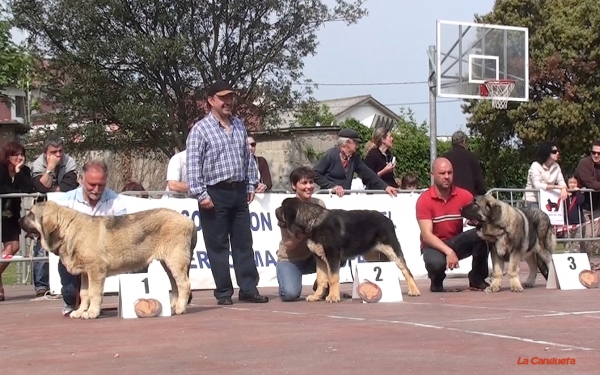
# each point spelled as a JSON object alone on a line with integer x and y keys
{"x": 481, "y": 285}
{"x": 41, "y": 293}
{"x": 67, "y": 310}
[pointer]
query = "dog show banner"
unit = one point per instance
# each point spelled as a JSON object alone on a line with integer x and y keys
{"x": 266, "y": 236}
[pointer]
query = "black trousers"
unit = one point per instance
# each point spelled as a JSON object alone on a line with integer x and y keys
{"x": 464, "y": 245}
{"x": 229, "y": 223}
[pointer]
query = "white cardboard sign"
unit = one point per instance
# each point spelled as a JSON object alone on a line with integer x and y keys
{"x": 564, "y": 273}
{"x": 385, "y": 275}
{"x": 135, "y": 286}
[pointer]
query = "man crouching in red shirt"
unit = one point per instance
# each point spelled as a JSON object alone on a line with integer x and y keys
{"x": 443, "y": 241}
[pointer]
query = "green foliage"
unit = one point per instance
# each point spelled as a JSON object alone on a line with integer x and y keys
{"x": 143, "y": 64}
{"x": 15, "y": 63}
{"x": 411, "y": 145}
{"x": 310, "y": 113}
{"x": 564, "y": 40}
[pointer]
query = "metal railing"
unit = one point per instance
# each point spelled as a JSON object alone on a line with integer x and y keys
{"x": 24, "y": 256}
{"x": 580, "y": 234}
{"x": 588, "y": 232}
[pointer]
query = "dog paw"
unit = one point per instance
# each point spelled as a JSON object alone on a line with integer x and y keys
{"x": 76, "y": 314}
{"x": 313, "y": 298}
{"x": 414, "y": 293}
{"x": 527, "y": 285}
{"x": 90, "y": 314}
{"x": 492, "y": 289}
{"x": 333, "y": 299}
{"x": 516, "y": 287}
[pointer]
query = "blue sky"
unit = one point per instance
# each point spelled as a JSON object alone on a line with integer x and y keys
{"x": 390, "y": 45}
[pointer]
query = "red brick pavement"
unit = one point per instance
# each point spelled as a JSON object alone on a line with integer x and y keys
{"x": 445, "y": 333}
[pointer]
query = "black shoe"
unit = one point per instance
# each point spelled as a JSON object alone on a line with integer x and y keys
{"x": 225, "y": 301}
{"x": 257, "y": 298}
{"x": 436, "y": 286}
{"x": 479, "y": 285}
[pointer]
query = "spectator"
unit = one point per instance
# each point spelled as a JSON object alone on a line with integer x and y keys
{"x": 176, "y": 173}
{"x": 379, "y": 157}
{"x": 409, "y": 181}
{"x": 335, "y": 170}
{"x": 15, "y": 177}
{"x": 573, "y": 213}
{"x": 294, "y": 259}
{"x": 52, "y": 171}
{"x": 443, "y": 241}
{"x": 222, "y": 174}
{"x": 135, "y": 186}
{"x": 588, "y": 173}
{"x": 264, "y": 174}
{"x": 468, "y": 173}
{"x": 91, "y": 198}
{"x": 545, "y": 174}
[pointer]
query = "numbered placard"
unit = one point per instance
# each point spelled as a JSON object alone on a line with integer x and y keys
{"x": 144, "y": 289}
{"x": 566, "y": 270}
{"x": 376, "y": 282}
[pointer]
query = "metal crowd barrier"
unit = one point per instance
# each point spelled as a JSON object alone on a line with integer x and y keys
{"x": 24, "y": 257}
{"x": 581, "y": 235}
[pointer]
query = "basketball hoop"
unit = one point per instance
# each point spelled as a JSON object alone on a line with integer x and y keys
{"x": 498, "y": 90}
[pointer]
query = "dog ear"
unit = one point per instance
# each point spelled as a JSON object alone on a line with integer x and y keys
{"x": 495, "y": 212}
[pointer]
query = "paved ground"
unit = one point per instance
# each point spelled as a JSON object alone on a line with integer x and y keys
{"x": 446, "y": 333}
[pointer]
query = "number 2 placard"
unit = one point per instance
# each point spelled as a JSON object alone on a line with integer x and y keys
{"x": 141, "y": 286}
{"x": 376, "y": 282}
{"x": 565, "y": 273}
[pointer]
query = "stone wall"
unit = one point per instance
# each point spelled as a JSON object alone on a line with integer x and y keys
{"x": 283, "y": 151}
{"x": 293, "y": 148}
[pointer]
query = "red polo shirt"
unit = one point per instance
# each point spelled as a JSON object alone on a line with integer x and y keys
{"x": 445, "y": 214}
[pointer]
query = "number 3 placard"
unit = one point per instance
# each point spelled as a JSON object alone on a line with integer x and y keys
{"x": 565, "y": 273}
{"x": 140, "y": 286}
{"x": 376, "y": 282}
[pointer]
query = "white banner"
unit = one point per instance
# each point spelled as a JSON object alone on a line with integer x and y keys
{"x": 266, "y": 236}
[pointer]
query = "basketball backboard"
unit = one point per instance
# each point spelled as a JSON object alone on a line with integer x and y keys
{"x": 468, "y": 54}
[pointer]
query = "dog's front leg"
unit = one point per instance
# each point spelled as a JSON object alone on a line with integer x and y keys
{"x": 84, "y": 301}
{"x": 513, "y": 271}
{"x": 333, "y": 268}
{"x": 497, "y": 270}
{"x": 322, "y": 281}
{"x": 95, "y": 291}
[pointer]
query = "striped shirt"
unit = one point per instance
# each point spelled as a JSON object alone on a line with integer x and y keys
{"x": 445, "y": 214}
{"x": 214, "y": 156}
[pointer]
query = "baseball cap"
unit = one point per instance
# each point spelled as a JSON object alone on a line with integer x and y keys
{"x": 220, "y": 88}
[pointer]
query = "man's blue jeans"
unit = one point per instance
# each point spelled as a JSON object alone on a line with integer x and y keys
{"x": 41, "y": 273}
{"x": 289, "y": 277}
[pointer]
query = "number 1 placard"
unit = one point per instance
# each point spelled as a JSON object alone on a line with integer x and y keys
{"x": 376, "y": 282}
{"x": 565, "y": 272}
{"x": 138, "y": 286}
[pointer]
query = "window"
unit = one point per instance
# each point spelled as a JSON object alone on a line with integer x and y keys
{"x": 20, "y": 107}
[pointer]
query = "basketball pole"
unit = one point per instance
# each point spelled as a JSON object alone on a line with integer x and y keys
{"x": 432, "y": 107}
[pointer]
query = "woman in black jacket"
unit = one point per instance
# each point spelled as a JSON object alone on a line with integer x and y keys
{"x": 15, "y": 177}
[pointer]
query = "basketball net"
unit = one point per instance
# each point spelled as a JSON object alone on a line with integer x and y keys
{"x": 499, "y": 91}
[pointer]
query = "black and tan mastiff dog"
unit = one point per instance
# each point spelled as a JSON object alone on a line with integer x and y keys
{"x": 100, "y": 246}
{"x": 337, "y": 235}
{"x": 517, "y": 234}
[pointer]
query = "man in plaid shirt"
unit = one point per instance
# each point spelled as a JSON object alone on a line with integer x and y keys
{"x": 221, "y": 174}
